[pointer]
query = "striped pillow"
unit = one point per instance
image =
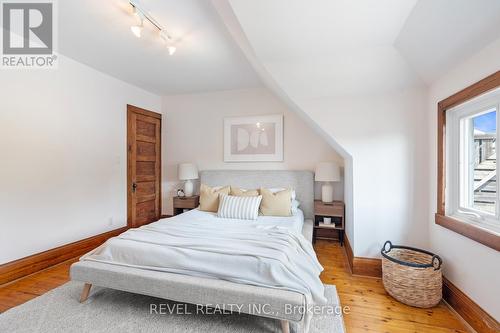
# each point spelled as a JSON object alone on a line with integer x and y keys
{"x": 233, "y": 207}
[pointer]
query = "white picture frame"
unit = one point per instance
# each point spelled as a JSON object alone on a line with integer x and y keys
{"x": 253, "y": 139}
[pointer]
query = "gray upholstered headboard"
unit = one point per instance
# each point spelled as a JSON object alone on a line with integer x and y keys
{"x": 301, "y": 181}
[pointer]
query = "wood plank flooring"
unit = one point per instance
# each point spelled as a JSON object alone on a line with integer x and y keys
{"x": 371, "y": 309}
{"x": 29, "y": 287}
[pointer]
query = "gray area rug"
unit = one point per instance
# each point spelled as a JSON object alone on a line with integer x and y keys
{"x": 109, "y": 310}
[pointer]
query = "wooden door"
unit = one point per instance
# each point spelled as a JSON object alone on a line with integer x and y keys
{"x": 144, "y": 166}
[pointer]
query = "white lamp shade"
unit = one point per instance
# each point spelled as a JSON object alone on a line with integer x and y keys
{"x": 187, "y": 171}
{"x": 327, "y": 172}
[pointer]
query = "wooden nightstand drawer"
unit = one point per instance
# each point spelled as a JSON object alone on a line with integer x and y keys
{"x": 180, "y": 204}
{"x": 334, "y": 209}
{"x": 187, "y": 202}
{"x": 327, "y": 233}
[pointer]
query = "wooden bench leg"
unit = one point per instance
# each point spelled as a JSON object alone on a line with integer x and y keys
{"x": 85, "y": 292}
{"x": 285, "y": 326}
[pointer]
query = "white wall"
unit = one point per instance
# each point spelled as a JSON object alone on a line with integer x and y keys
{"x": 193, "y": 132}
{"x": 472, "y": 267}
{"x": 370, "y": 105}
{"x": 383, "y": 135}
{"x": 63, "y": 164}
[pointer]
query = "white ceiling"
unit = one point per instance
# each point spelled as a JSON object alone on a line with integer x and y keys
{"x": 97, "y": 33}
{"x": 321, "y": 48}
{"x": 439, "y": 34}
{"x": 307, "y": 28}
{"x": 329, "y": 48}
{"x": 334, "y": 47}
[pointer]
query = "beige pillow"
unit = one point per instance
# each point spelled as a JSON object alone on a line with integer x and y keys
{"x": 239, "y": 192}
{"x": 276, "y": 204}
{"x": 209, "y": 197}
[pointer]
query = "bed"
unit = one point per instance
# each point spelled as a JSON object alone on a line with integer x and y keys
{"x": 182, "y": 286}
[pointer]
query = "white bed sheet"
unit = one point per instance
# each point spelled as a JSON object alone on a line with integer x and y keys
{"x": 269, "y": 252}
{"x": 294, "y": 222}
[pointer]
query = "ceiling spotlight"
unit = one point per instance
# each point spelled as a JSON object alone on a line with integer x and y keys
{"x": 136, "y": 30}
{"x": 168, "y": 40}
{"x": 134, "y": 10}
{"x": 171, "y": 49}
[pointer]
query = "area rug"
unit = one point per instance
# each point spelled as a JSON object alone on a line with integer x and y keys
{"x": 109, "y": 310}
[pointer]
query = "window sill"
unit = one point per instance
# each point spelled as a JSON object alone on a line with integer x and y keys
{"x": 471, "y": 231}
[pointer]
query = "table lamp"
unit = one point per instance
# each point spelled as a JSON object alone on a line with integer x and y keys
{"x": 327, "y": 172}
{"x": 188, "y": 172}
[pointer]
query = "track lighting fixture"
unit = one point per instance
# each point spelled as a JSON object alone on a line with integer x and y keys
{"x": 137, "y": 29}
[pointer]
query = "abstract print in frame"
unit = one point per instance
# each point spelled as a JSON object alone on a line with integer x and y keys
{"x": 253, "y": 139}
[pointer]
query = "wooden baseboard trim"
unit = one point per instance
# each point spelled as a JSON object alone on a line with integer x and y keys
{"x": 472, "y": 313}
{"x": 25, "y": 266}
{"x": 371, "y": 267}
{"x": 348, "y": 252}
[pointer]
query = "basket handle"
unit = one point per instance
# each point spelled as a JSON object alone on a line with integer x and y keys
{"x": 439, "y": 262}
{"x": 385, "y": 245}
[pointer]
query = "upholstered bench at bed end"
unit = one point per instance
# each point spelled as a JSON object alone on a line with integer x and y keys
{"x": 189, "y": 289}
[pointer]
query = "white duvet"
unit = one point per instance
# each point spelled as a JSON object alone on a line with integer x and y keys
{"x": 268, "y": 252}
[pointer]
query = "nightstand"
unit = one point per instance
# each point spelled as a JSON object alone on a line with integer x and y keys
{"x": 182, "y": 203}
{"x": 335, "y": 210}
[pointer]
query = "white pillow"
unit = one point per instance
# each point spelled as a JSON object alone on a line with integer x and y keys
{"x": 295, "y": 206}
{"x": 243, "y": 208}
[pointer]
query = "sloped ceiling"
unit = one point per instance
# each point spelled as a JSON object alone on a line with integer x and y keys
{"x": 345, "y": 47}
{"x": 439, "y": 34}
{"x": 339, "y": 48}
{"x": 305, "y": 29}
{"x": 97, "y": 33}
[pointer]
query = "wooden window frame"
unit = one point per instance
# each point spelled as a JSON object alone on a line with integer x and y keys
{"x": 476, "y": 233}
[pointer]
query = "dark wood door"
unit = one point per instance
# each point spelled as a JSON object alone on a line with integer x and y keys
{"x": 144, "y": 166}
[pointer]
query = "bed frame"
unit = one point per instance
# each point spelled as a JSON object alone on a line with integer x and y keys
{"x": 205, "y": 291}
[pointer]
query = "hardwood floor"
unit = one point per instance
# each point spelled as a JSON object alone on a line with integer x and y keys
{"x": 31, "y": 286}
{"x": 371, "y": 309}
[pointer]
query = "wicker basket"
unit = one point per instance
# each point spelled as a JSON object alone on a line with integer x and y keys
{"x": 412, "y": 276}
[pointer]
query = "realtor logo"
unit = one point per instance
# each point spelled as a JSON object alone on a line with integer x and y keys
{"x": 28, "y": 34}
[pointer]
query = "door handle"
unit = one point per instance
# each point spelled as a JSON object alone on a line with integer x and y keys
{"x": 134, "y": 187}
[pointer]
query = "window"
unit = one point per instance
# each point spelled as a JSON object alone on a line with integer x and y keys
{"x": 471, "y": 140}
{"x": 468, "y": 192}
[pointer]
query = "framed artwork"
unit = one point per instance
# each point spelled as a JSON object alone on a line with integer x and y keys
{"x": 253, "y": 139}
